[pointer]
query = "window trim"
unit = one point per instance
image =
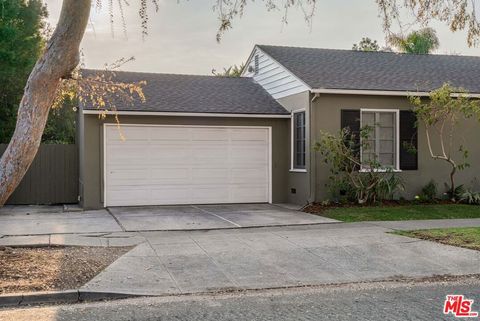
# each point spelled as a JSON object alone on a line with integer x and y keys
{"x": 292, "y": 141}
{"x": 397, "y": 137}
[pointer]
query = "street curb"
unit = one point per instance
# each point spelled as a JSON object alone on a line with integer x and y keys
{"x": 68, "y": 296}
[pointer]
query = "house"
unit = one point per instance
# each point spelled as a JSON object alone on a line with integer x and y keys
{"x": 208, "y": 139}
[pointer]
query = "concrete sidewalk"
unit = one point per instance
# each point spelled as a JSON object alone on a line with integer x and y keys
{"x": 194, "y": 262}
{"x": 183, "y": 262}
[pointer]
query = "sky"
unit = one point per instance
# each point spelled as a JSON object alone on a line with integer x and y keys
{"x": 182, "y": 34}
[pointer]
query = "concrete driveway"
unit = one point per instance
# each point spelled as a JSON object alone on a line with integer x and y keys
{"x": 194, "y": 217}
{"x": 41, "y": 220}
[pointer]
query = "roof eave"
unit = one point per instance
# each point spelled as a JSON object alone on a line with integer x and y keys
{"x": 181, "y": 114}
{"x": 382, "y": 92}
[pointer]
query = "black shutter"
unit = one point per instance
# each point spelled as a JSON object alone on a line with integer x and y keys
{"x": 351, "y": 119}
{"x": 408, "y": 141}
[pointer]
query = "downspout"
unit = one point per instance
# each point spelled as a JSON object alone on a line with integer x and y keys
{"x": 313, "y": 163}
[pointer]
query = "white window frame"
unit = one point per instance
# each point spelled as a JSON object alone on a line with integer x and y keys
{"x": 292, "y": 141}
{"x": 397, "y": 137}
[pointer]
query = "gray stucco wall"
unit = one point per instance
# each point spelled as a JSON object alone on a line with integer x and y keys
{"x": 326, "y": 116}
{"x": 299, "y": 182}
{"x": 92, "y": 150}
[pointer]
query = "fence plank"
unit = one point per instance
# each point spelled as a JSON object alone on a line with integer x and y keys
{"x": 51, "y": 179}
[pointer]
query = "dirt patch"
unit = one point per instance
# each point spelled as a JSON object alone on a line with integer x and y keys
{"x": 53, "y": 268}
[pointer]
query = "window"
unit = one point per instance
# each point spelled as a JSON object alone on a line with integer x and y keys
{"x": 298, "y": 140}
{"x": 382, "y": 144}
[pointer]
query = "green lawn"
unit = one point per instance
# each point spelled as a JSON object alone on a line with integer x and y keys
{"x": 468, "y": 237}
{"x": 402, "y": 213}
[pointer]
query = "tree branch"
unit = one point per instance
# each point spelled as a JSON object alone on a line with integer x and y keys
{"x": 60, "y": 58}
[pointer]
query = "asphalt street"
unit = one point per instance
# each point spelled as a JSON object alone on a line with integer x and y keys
{"x": 368, "y": 301}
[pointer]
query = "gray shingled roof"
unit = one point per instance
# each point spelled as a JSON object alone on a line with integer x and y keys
{"x": 348, "y": 69}
{"x": 198, "y": 94}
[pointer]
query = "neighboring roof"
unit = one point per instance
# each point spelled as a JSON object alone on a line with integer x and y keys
{"x": 383, "y": 71}
{"x": 197, "y": 94}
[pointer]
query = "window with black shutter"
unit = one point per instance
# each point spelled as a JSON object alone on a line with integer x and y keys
{"x": 380, "y": 144}
{"x": 408, "y": 140}
{"x": 299, "y": 141}
{"x": 350, "y": 119}
{"x": 392, "y": 140}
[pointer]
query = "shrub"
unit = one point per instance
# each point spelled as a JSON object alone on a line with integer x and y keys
{"x": 341, "y": 190}
{"x": 388, "y": 186}
{"x": 347, "y": 180}
{"x": 429, "y": 192}
{"x": 457, "y": 192}
{"x": 470, "y": 197}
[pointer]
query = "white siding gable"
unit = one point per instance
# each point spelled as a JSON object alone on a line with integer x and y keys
{"x": 272, "y": 76}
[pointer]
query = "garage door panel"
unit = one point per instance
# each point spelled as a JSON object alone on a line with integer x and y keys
{"x": 249, "y": 154}
{"x": 209, "y": 134}
{"x": 251, "y": 135}
{"x": 128, "y": 196}
{"x": 209, "y": 194}
{"x": 169, "y": 176}
{"x": 246, "y": 194}
{"x": 127, "y": 154}
{"x": 210, "y": 176}
{"x": 248, "y": 176}
{"x": 127, "y": 176}
{"x": 168, "y": 134}
{"x": 169, "y": 154}
{"x": 169, "y": 195}
{"x": 126, "y": 133}
{"x": 209, "y": 154}
{"x": 186, "y": 165}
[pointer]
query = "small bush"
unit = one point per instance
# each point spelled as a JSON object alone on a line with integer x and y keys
{"x": 341, "y": 190}
{"x": 429, "y": 192}
{"x": 457, "y": 192}
{"x": 470, "y": 197}
{"x": 352, "y": 179}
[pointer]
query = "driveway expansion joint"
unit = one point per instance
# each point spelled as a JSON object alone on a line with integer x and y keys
{"x": 218, "y": 216}
{"x": 116, "y": 219}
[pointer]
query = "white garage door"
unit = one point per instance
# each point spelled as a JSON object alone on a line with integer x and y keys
{"x": 159, "y": 165}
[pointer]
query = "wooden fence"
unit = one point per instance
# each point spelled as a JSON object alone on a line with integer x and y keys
{"x": 51, "y": 179}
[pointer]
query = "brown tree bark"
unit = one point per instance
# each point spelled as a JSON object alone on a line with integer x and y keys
{"x": 60, "y": 58}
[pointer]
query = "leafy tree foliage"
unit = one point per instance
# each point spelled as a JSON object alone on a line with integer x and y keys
{"x": 366, "y": 44}
{"x": 457, "y": 14}
{"x": 60, "y": 128}
{"x": 423, "y": 41}
{"x": 21, "y": 43}
{"x": 232, "y": 71}
{"x": 440, "y": 115}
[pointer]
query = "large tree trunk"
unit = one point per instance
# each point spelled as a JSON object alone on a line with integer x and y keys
{"x": 60, "y": 58}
